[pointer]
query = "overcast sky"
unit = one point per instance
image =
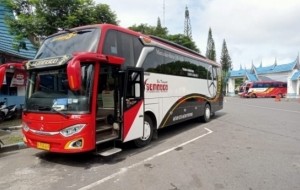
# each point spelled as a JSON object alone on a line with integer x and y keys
{"x": 257, "y": 31}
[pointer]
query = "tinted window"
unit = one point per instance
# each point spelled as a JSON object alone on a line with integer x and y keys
{"x": 166, "y": 62}
{"x": 275, "y": 84}
{"x": 198, "y": 69}
{"x": 153, "y": 61}
{"x": 70, "y": 42}
{"x": 123, "y": 45}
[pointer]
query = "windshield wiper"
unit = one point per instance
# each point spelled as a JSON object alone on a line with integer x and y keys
{"x": 48, "y": 108}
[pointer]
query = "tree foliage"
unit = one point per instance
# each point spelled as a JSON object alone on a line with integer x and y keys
{"x": 183, "y": 40}
{"x": 225, "y": 58}
{"x": 162, "y": 32}
{"x": 210, "y": 48}
{"x": 158, "y": 31}
{"x": 144, "y": 28}
{"x": 226, "y": 63}
{"x": 39, "y": 18}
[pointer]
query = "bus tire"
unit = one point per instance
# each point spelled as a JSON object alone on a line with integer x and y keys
{"x": 253, "y": 95}
{"x": 207, "y": 114}
{"x": 149, "y": 130}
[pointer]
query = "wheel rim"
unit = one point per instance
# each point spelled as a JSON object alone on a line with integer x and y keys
{"x": 207, "y": 112}
{"x": 147, "y": 131}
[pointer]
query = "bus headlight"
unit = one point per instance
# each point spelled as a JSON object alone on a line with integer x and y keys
{"x": 72, "y": 130}
{"x": 25, "y": 127}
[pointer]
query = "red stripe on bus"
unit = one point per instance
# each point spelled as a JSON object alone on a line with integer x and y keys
{"x": 130, "y": 116}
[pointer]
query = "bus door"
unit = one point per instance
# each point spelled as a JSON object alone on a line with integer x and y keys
{"x": 133, "y": 104}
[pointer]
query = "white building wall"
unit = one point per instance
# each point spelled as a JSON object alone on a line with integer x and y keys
{"x": 231, "y": 84}
{"x": 278, "y": 76}
{"x": 291, "y": 91}
{"x": 298, "y": 88}
{"x": 292, "y": 85}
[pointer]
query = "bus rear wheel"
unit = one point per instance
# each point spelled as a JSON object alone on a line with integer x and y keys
{"x": 148, "y": 133}
{"x": 207, "y": 114}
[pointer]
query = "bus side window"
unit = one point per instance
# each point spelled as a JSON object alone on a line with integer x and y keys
{"x": 134, "y": 88}
{"x": 110, "y": 44}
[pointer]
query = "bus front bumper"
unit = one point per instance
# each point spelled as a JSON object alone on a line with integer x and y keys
{"x": 57, "y": 143}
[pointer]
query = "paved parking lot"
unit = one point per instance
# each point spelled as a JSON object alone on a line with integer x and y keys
{"x": 250, "y": 144}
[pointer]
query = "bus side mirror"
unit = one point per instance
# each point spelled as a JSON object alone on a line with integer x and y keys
{"x": 2, "y": 75}
{"x": 74, "y": 75}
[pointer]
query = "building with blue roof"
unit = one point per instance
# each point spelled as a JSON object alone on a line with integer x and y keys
{"x": 289, "y": 72}
{"x": 10, "y": 54}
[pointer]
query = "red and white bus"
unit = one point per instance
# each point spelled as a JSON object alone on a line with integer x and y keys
{"x": 263, "y": 89}
{"x": 99, "y": 84}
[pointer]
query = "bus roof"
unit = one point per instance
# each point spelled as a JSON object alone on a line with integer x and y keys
{"x": 160, "y": 42}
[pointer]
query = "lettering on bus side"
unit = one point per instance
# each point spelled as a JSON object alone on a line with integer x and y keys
{"x": 183, "y": 116}
{"x": 158, "y": 86}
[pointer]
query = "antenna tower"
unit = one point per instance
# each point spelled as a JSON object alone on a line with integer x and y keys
{"x": 164, "y": 13}
{"x": 187, "y": 24}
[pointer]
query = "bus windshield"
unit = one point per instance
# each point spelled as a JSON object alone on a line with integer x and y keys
{"x": 48, "y": 90}
{"x": 68, "y": 42}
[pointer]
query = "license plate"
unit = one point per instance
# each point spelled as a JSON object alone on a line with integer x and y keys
{"x": 44, "y": 146}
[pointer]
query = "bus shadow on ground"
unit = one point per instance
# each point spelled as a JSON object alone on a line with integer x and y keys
{"x": 90, "y": 159}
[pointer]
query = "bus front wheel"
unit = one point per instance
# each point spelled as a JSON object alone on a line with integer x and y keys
{"x": 148, "y": 133}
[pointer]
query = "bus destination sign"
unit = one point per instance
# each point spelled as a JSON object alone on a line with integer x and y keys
{"x": 42, "y": 63}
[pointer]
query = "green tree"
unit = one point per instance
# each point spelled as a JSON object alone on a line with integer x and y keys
{"x": 103, "y": 14}
{"x": 39, "y": 18}
{"x": 162, "y": 32}
{"x": 225, "y": 58}
{"x": 210, "y": 48}
{"x": 159, "y": 30}
{"x": 144, "y": 28}
{"x": 183, "y": 40}
{"x": 226, "y": 63}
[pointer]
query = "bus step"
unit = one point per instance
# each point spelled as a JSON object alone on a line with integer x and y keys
{"x": 100, "y": 118}
{"x": 103, "y": 128}
{"x": 104, "y": 138}
{"x": 110, "y": 152}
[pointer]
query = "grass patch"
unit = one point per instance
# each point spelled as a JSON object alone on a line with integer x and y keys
{"x": 10, "y": 123}
{"x": 12, "y": 138}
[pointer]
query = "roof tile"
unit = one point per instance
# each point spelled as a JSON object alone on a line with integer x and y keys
{"x": 6, "y": 39}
